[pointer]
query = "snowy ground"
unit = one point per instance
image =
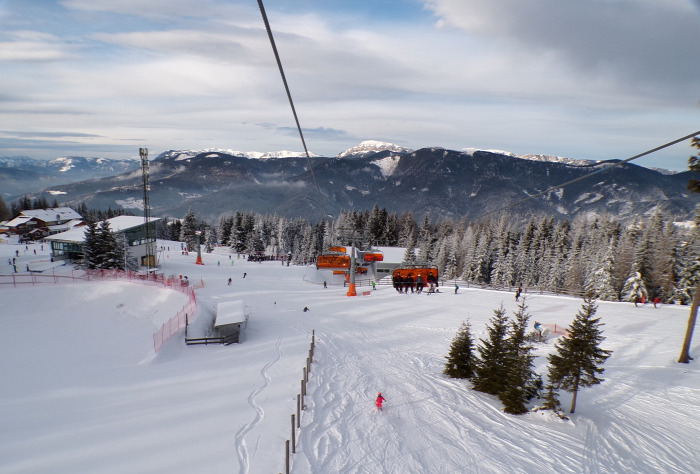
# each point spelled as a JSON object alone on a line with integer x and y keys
{"x": 82, "y": 390}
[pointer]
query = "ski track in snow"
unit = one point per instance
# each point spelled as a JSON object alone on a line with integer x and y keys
{"x": 444, "y": 419}
{"x": 241, "y": 448}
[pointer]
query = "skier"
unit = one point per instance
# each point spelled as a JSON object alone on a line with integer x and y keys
{"x": 229, "y": 281}
{"x": 538, "y": 328}
{"x": 656, "y": 301}
{"x": 420, "y": 284}
{"x": 244, "y": 274}
{"x": 456, "y": 288}
{"x": 378, "y": 402}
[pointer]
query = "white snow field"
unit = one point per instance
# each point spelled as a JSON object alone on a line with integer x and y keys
{"x": 84, "y": 392}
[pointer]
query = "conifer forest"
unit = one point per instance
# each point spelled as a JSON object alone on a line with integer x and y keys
{"x": 647, "y": 258}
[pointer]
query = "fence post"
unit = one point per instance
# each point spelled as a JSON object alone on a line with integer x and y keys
{"x": 305, "y": 374}
{"x": 303, "y": 393}
{"x": 298, "y": 411}
{"x": 294, "y": 443}
{"x": 286, "y": 456}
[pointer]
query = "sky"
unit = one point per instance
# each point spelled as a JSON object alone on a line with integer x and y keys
{"x": 84, "y": 391}
{"x": 586, "y": 79}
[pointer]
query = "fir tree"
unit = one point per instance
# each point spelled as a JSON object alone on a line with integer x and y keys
{"x": 491, "y": 371}
{"x": 91, "y": 247}
{"x": 461, "y": 360}
{"x": 551, "y": 401}
{"x": 5, "y": 214}
{"x": 578, "y": 358}
{"x": 111, "y": 251}
{"x": 187, "y": 233}
{"x": 521, "y": 378}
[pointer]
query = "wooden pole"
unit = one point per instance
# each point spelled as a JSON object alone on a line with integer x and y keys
{"x": 685, "y": 358}
{"x": 298, "y": 411}
{"x": 286, "y": 457}
{"x": 294, "y": 443}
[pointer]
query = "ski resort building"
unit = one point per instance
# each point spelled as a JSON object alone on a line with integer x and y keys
{"x": 36, "y": 223}
{"x": 131, "y": 230}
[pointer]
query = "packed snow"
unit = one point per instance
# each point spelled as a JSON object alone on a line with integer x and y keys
{"x": 83, "y": 390}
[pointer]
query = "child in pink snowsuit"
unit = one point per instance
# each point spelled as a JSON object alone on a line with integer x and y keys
{"x": 379, "y": 401}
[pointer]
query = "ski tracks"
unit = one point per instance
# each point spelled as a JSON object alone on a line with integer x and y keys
{"x": 241, "y": 448}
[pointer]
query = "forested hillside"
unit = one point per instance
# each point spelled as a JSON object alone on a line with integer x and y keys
{"x": 649, "y": 257}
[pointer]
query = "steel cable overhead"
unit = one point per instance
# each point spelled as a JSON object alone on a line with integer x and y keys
{"x": 291, "y": 103}
{"x": 602, "y": 170}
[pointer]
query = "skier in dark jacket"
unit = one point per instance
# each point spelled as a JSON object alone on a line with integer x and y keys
{"x": 398, "y": 282}
{"x": 420, "y": 283}
{"x": 408, "y": 283}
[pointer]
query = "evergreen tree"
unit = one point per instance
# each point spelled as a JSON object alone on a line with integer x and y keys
{"x": 491, "y": 371}
{"x": 5, "y": 214}
{"x": 634, "y": 288}
{"x": 578, "y": 358}
{"x": 551, "y": 401}
{"x": 111, "y": 250}
{"x": 461, "y": 360}
{"x": 187, "y": 233}
{"x": 521, "y": 384}
{"x": 91, "y": 247}
{"x": 209, "y": 239}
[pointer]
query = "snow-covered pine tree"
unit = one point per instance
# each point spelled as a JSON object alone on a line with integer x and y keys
{"x": 521, "y": 384}
{"x": 225, "y": 228}
{"x": 578, "y": 359}
{"x": 634, "y": 288}
{"x": 599, "y": 280}
{"x": 209, "y": 239}
{"x": 410, "y": 253}
{"x": 491, "y": 372}
{"x": 112, "y": 251}
{"x": 187, "y": 233}
{"x": 461, "y": 359}
{"x": 91, "y": 247}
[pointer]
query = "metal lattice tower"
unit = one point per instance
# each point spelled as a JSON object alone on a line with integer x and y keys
{"x": 150, "y": 247}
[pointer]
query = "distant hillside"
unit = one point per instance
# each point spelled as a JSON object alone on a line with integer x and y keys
{"x": 444, "y": 183}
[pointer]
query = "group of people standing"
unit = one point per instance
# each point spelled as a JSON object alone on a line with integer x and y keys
{"x": 406, "y": 283}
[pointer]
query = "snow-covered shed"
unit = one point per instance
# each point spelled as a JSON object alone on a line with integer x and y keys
{"x": 230, "y": 315}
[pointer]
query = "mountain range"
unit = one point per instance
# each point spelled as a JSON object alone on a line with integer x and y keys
{"x": 440, "y": 182}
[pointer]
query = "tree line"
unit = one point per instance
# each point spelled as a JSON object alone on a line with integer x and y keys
{"x": 648, "y": 258}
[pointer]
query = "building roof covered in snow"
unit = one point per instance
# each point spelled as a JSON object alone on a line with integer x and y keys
{"x": 116, "y": 225}
{"x": 56, "y": 214}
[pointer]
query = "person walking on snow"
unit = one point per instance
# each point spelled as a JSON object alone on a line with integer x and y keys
{"x": 378, "y": 402}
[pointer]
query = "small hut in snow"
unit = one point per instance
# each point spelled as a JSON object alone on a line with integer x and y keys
{"x": 230, "y": 315}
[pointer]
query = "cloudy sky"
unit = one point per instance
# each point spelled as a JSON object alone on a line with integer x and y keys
{"x": 587, "y": 79}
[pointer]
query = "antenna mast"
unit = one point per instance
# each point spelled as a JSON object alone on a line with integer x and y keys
{"x": 150, "y": 251}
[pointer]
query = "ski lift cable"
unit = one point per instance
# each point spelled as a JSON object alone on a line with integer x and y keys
{"x": 602, "y": 170}
{"x": 291, "y": 102}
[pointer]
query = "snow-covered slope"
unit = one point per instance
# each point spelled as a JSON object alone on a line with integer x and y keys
{"x": 83, "y": 391}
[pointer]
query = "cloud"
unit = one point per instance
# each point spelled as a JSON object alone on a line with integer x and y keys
{"x": 34, "y": 46}
{"x": 641, "y": 47}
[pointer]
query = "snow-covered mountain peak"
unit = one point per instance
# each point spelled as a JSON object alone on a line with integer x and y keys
{"x": 373, "y": 146}
{"x": 180, "y": 155}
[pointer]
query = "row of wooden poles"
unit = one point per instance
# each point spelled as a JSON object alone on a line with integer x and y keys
{"x": 290, "y": 448}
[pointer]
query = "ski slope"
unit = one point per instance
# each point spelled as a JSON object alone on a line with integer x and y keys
{"x": 82, "y": 390}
